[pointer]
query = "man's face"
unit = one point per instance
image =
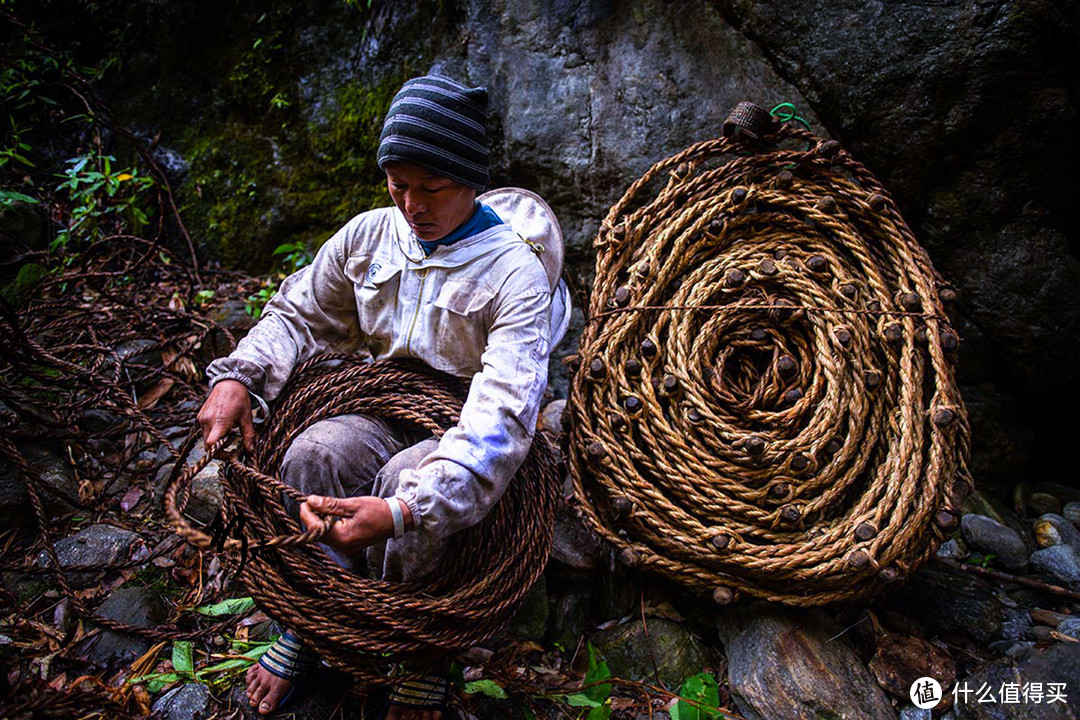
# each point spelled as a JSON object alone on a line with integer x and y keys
{"x": 433, "y": 205}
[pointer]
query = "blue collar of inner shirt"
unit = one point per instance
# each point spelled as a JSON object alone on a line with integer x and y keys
{"x": 483, "y": 218}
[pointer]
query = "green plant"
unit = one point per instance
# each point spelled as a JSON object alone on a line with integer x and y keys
{"x": 699, "y": 699}
{"x": 296, "y": 255}
{"x": 256, "y": 302}
{"x": 102, "y": 199}
{"x": 217, "y": 675}
{"x": 595, "y": 693}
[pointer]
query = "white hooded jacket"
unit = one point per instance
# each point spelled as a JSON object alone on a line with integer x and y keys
{"x": 479, "y": 308}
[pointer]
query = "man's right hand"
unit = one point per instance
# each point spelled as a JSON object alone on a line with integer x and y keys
{"x": 227, "y": 406}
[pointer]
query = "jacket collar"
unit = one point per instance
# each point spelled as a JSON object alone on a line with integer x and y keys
{"x": 461, "y": 252}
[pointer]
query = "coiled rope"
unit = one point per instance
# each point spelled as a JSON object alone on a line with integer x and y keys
{"x": 357, "y": 624}
{"x": 766, "y": 400}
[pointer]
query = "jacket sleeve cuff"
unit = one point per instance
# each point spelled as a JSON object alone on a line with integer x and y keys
{"x": 408, "y": 496}
{"x": 233, "y": 368}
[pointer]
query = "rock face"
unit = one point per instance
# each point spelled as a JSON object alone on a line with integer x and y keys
{"x": 783, "y": 663}
{"x": 963, "y": 119}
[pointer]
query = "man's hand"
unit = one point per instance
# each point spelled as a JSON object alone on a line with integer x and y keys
{"x": 365, "y": 520}
{"x": 227, "y": 406}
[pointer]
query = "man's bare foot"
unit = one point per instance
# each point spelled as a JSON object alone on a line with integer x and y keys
{"x": 400, "y": 712}
{"x": 265, "y": 690}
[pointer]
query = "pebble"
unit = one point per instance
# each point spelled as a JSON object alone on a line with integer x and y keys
{"x": 1051, "y": 529}
{"x": 190, "y": 701}
{"x": 1061, "y": 561}
{"x": 1071, "y": 512}
{"x": 994, "y": 538}
{"x": 1041, "y": 503}
{"x": 952, "y": 550}
{"x": 1070, "y": 626}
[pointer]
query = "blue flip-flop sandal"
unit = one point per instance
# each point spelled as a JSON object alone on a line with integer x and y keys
{"x": 427, "y": 692}
{"x": 289, "y": 660}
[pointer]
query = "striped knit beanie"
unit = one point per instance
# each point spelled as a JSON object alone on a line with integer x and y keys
{"x": 438, "y": 124}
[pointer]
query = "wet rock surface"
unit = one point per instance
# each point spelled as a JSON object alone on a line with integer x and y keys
{"x": 188, "y": 702}
{"x": 136, "y": 606}
{"x": 656, "y": 650}
{"x": 992, "y": 537}
{"x": 95, "y": 545}
{"x": 783, "y": 664}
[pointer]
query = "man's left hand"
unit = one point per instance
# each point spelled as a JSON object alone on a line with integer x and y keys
{"x": 365, "y": 520}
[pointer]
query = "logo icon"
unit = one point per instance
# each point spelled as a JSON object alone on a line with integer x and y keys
{"x": 926, "y": 693}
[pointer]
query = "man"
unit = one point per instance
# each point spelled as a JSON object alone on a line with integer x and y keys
{"x": 437, "y": 277}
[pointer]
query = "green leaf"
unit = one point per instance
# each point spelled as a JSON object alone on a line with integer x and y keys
{"x": 8, "y": 197}
{"x": 486, "y": 687}
{"x": 286, "y": 248}
{"x": 601, "y": 712}
{"x": 702, "y": 689}
{"x": 232, "y": 606}
{"x": 580, "y": 699}
{"x": 181, "y": 657}
{"x": 597, "y": 671}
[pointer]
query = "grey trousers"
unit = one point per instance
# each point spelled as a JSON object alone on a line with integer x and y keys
{"x": 354, "y": 455}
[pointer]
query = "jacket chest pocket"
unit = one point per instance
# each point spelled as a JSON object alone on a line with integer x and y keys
{"x": 464, "y": 316}
{"x": 377, "y": 305}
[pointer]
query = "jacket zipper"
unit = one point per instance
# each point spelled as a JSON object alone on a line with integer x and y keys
{"x": 422, "y": 272}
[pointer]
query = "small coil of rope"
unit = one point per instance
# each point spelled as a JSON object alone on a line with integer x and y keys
{"x": 357, "y": 624}
{"x": 765, "y": 403}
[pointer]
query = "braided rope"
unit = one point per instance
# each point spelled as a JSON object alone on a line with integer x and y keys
{"x": 766, "y": 402}
{"x": 358, "y": 624}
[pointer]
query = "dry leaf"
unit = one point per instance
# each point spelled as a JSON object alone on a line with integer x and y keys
{"x": 151, "y": 396}
{"x": 131, "y": 498}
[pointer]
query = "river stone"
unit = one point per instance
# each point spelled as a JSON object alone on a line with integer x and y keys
{"x": 979, "y": 503}
{"x": 551, "y": 420}
{"x": 1070, "y": 626}
{"x": 1061, "y": 561}
{"x": 15, "y": 507}
{"x": 190, "y": 701}
{"x": 1051, "y": 529}
{"x": 1040, "y": 503}
{"x": 232, "y": 314}
{"x": 657, "y": 651}
{"x": 952, "y": 549}
{"x": 573, "y": 545}
{"x": 1064, "y": 493}
{"x": 205, "y": 496}
{"x": 900, "y": 660}
{"x": 1059, "y": 663}
{"x": 992, "y": 537}
{"x": 944, "y": 600}
{"x": 910, "y": 712}
{"x": 789, "y": 663}
{"x": 137, "y": 606}
{"x": 94, "y": 545}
